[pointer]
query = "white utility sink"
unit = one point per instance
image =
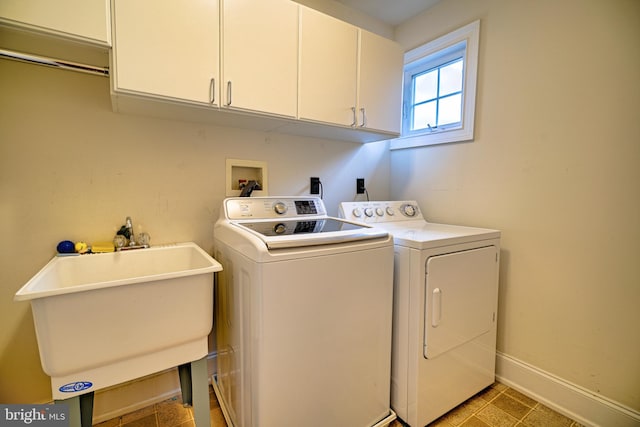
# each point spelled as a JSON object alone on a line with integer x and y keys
{"x": 103, "y": 319}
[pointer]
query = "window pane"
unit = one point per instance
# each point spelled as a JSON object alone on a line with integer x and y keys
{"x": 451, "y": 78}
{"x": 450, "y": 110}
{"x": 423, "y": 115}
{"x": 426, "y": 86}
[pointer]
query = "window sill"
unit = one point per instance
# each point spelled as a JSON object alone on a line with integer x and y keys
{"x": 432, "y": 138}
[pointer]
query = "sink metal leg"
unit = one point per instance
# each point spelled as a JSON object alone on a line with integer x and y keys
{"x": 86, "y": 409}
{"x": 200, "y": 388}
{"x": 194, "y": 382}
{"x": 75, "y": 419}
{"x": 80, "y": 409}
{"x": 184, "y": 372}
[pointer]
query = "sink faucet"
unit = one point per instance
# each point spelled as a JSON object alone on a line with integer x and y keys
{"x": 129, "y": 226}
{"x": 126, "y": 232}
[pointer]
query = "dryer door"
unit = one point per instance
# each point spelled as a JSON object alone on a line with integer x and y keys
{"x": 461, "y": 294}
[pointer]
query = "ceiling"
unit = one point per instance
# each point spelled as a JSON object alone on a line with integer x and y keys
{"x": 391, "y": 12}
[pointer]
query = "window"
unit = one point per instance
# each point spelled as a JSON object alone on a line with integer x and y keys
{"x": 439, "y": 90}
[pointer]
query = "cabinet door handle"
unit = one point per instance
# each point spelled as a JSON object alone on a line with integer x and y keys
{"x": 212, "y": 91}
{"x": 364, "y": 118}
{"x": 229, "y": 93}
{"x": 355, "y": 117}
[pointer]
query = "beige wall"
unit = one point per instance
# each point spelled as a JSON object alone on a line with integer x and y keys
{"x": 556, "y": 166}
{"x": 347, "y": 14}
{"x": 70, "y": 168}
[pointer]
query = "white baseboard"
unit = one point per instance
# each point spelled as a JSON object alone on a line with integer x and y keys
{"x": 138, "y": 404}
{"x": 128, "y": 397}
{"x": 575, "y": 402}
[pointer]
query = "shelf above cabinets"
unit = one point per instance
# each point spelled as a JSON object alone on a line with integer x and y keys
{"x": 49, "y": 29}
{"x": 82, "y": 20}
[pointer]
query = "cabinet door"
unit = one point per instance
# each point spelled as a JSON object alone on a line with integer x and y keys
{"x": 87, "y": 19}
{"x": 328, "y": 69}
{"x": 260, "y": 55}
{"x": 380, "y": 83}
{"x": 169, "y": 49}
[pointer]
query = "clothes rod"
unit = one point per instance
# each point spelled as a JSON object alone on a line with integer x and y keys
{"x": 56, "y": 63}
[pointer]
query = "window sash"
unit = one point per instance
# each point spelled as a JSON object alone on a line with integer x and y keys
{"x": 438, "y": 98}
{"x": 424, "y": 65}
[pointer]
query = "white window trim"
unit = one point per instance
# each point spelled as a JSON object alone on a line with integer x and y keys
{"x": 470, "y": 33}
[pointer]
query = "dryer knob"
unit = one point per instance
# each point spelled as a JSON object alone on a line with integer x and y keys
{"x": 280, "y": 208}
{"x": 390, "y": 211}
{"x": 368, "y": 212}
{"x": 408, "y": 210}
{"x": 379, "y": 212}
{"x": 357, "y": 212}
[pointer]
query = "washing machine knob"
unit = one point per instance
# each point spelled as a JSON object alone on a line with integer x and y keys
{"x": 408, "y": 210}
{"x": 368, "y": 212}
{"x": 280, "y": 208}
{"x": 357, "y": 212}
{"x": 390, "y": 211}
{"x": 279, "y": 228}
{"x": 379, "y": 212}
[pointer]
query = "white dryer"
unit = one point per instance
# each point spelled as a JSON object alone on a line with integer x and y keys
{"x": 303, "y": 316}
{"x": 445, "y": 307}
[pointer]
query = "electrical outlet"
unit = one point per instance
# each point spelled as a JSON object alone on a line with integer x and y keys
{"x": 360, "y": 188}
{"x": 314, "y": 186}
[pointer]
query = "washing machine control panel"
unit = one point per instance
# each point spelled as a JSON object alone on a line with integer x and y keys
{"x": 381, "y": 211}
{"x": 273, "y": 207}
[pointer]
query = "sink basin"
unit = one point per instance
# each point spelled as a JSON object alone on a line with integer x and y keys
{"x": 103, "y": 319}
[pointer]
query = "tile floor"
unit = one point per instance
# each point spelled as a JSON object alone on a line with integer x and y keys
{"x": 168, "y": 413}
{"x": 496, "y": 406}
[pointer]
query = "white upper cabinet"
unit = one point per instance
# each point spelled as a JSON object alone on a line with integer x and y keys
{"x": 167, "y": 49}
{"x": 284, "y": 67}
{"x": 328, "y": 69}
{"x": 260, "y": 56}
{"x": 87, "y": 20}
{"x": 380, "y": 83}
{"x": 348, "y": 76}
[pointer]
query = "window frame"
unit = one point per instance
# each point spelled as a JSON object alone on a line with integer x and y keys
{"x": 430, "y": 55}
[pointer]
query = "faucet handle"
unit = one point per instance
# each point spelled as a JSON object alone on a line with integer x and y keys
{"x": 119, "y": 241}
{"x": 144, "y": 239}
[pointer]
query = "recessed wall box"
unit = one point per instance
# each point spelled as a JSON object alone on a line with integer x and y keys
{"x": 240, "y": 172}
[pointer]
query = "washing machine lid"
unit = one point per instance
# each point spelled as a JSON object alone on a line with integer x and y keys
{"x": 309, "y": 232}
{"x": 425, "y": 235}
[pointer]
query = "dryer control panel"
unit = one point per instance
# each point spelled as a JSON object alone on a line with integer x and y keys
{"x": 381, "y": 211}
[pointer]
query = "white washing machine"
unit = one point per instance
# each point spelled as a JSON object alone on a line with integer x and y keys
{"x": 445, "y": 307}
{"x": 303, "y": 316}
